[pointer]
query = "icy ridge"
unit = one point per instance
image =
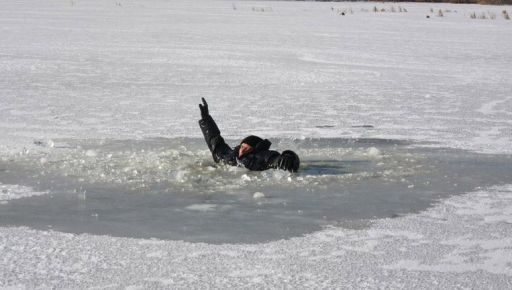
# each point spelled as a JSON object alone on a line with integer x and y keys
{"x": 15, "y": 191}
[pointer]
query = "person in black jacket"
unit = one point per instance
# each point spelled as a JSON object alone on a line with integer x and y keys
{"x": 253, "y": 152}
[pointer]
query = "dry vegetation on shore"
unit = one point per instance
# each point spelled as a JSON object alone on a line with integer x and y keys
{"x": 486, "y": 2}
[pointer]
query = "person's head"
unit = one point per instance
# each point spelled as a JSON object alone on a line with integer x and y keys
{"x": 247, "y": 144}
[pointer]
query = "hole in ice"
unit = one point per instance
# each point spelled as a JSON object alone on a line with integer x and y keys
{"x": 171, "y": 188}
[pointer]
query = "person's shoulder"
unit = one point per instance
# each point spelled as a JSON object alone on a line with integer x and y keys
{"x": 263, "y": 145}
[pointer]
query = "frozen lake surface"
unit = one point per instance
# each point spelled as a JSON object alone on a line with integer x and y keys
{"x": 172, "y": 189}
{"x": 404, "y": 124}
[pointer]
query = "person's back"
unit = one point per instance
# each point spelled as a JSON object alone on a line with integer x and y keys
{"x": 253, "y": 152}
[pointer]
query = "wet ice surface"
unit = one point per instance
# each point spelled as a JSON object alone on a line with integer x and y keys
{"x": 171, "y": 188}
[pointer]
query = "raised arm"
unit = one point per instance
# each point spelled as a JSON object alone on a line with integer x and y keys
{"x": 220, "y": 150}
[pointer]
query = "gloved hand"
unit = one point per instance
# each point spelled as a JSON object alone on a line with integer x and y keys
{"x": 204, "y": 109}
{"x": 289, "y": 161}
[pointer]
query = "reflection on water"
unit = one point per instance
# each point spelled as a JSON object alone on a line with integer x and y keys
{"x": 171, "y": 189}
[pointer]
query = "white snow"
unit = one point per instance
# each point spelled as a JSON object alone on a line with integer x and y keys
{"x": 133, "y": 69}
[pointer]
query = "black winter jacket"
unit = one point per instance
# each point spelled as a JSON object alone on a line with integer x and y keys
{"x": 259, "y": 158}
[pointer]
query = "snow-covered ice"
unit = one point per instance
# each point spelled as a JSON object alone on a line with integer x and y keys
{"x": 135, "y": 70}
{"x": 452, "y": 245}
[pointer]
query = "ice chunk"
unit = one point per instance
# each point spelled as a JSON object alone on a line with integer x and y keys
{"x": 374, "y": 153}
{"x": 202, "y": 207}
{"x": 13, "y": 191}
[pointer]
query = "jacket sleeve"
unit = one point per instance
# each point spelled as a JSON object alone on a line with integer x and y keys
{"x": 288, "y": 160}
{"x": 220, "y": 150}
{"x": 273, "y": 160}
{"x": 261, "y": 160}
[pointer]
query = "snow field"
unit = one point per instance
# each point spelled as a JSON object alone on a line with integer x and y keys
{"x": 137, "y": 69}
{"x": 94, "y": 69}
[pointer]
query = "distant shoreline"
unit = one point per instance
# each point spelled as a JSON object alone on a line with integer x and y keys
{"x": 483, "y": 2}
